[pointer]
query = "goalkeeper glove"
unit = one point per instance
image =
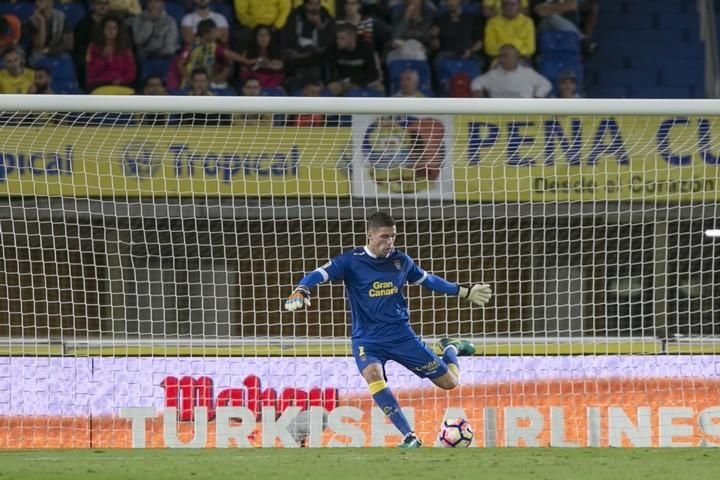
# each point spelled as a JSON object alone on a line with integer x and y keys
{"x": 479, "y": 293}
{"x": 299, "y": 298}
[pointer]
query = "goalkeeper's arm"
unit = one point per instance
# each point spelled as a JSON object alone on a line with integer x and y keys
{"x": 300, "y": 297}
{"x": 478, "y": 293}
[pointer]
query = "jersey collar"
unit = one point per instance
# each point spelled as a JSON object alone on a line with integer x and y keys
{"x": 372, "y": 255}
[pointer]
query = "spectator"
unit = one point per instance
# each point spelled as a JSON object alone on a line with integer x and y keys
{"x": 200, "y": 87}
{"x": 110, "y": 60}
{"x": 199, "y": 83}
{"x": 409, "y": 83}
{"x": 558, "y": 16}
{"x": 251, "y": 13}
{"x": 86, "y": 30}
{"x": 154, "y": 85}
{"x": 491, "y": 8}
{"x": 510, "y": 28}
{"x": 309, "y": 31}
{"x": 411, "y": 31}
{"x": 125, "y": 8}
{"x": 190, "y": 22}
{"x": 457, "y": 34}
{"x": 10, "y": 30}
{"x": 263, "y": 59}
{"x": 312, "y": 88}
{"x": 511, "y": 79}
{"x": 208, "y": 54}
{"x": 374, "y": 31}
{"x": 353, "y": 63}
{"x": 588, "y": 20}
{"x": 42, "y": 81}
{"x": 251, "y": 88}
{"x": 49, "y": 31}
{"x": 155, "y": 33}
{"x": 15, "y": 77}
{"x": 567, "y": 85}
{"x": 328, "y": 5}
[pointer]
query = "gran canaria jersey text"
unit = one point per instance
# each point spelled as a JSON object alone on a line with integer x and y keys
{"x": 381, "y": 289}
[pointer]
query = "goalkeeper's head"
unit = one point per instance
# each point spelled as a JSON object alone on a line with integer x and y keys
{"x": 381, "y": 234}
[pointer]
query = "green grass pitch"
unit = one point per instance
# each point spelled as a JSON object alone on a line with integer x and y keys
{"x": 363, "y": 463}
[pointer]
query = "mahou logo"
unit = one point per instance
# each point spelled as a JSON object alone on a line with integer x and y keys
{"x": 186, "y": 393}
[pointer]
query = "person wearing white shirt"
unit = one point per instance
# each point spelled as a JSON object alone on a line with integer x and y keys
{"x": 510, "y": 79}
{"x": 189, "y": 23}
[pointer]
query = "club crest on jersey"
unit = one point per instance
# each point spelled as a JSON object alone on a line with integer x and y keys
{"x": 398, "y": 264}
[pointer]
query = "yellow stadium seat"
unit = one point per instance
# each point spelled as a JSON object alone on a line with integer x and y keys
{"x": 113, "y": 90}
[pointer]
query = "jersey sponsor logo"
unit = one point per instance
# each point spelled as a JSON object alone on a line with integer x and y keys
{"x": 398, "y": 264}
{"x": 382, "y": 289}
{"x": 356, "y": 253}
{"x": 428, "y": 368}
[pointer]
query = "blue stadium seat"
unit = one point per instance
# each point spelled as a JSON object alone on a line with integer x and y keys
{"x": 273, "y": 92}
{"x": 175, "y": 10}
{"x": 74, "y": 12}
{"x": 155, "y": 66}
{"x": 299, "y": 93}
{"x": 62, "y": 67}
{"x": 224, "y": 92}
{"x": 225, "y": 9}
{"x": 558, "y": 43}
{"x": 66, "y": 87}
{"x": 363, "y": 92}
{"x": 550, "y": 68}
{"x": 22, "y": 10}
{"x": 396, "y": 67}
{"x": 451, "y": 66}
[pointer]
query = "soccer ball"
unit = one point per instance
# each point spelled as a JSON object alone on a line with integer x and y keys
{"x": 455, "y": 433}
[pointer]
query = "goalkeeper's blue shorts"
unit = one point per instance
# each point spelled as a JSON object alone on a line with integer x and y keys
{"x": 412, "y": 353}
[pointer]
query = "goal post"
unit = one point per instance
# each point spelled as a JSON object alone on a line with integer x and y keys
{"x": 147, "y": 245}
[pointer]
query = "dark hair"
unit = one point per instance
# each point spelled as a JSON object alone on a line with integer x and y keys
{"x": 273, "y": 50}
{"x": 198, "y": 71}
{"x": 346, "y": 27}
{"x": 13, "y": 49}
{"x": 150, "y": 77}
{"x": 205, "y": 26}
{"x": 379, "y": 220}
{"x": 43, "y": 69}
{"x": 122, "y": 42}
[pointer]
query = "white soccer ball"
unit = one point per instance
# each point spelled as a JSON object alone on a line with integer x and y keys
{"x": 456, "y": 433}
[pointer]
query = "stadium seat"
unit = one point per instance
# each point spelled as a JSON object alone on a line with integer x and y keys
{"x": 155, "y": 66}
{"x": 175, "y": 10}
{"x": 66, "y": 87}
{"x": 113, "y": 90}
{"x": 224, "y": 92}
{"x": 62, "y": 67}
{"x": 273, "y": 92}
{"x": 74, "y": 12}
{"x": 396, "y": 67}
{"x": 224, "y": 9}
{"x": 550, "y": 68}
{"x": 22, "y": 10}
{"x": 452, "y": 66}
{"x": 558, "y": 43}
{"x": 363, "y": 92}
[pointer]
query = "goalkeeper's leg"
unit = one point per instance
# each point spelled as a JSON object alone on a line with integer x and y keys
{"x": 384, "y": 398}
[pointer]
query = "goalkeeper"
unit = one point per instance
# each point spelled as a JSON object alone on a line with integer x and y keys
{"x": 374, "y": 277}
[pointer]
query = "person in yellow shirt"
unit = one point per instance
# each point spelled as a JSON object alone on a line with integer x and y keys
{"x": 251, "y": 13}
{"x": 329, "y": 5}
{"x": 491, "y": 8}
{"x": 511, "y": 28}
{"x": 15, "y": 78}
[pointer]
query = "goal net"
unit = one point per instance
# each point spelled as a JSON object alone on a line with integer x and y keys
{"x": 147, "y": 246}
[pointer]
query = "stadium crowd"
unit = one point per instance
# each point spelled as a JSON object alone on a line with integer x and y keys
{"x": 408, "y": 48}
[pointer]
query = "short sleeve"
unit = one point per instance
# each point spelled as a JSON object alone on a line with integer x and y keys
{"x": 335, "y": 269}
{"x": 415, "y": 275}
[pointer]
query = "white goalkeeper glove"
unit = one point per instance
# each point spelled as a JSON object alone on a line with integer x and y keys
{"x": 298, "y": 299}
{"x": 479, "y": 293}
